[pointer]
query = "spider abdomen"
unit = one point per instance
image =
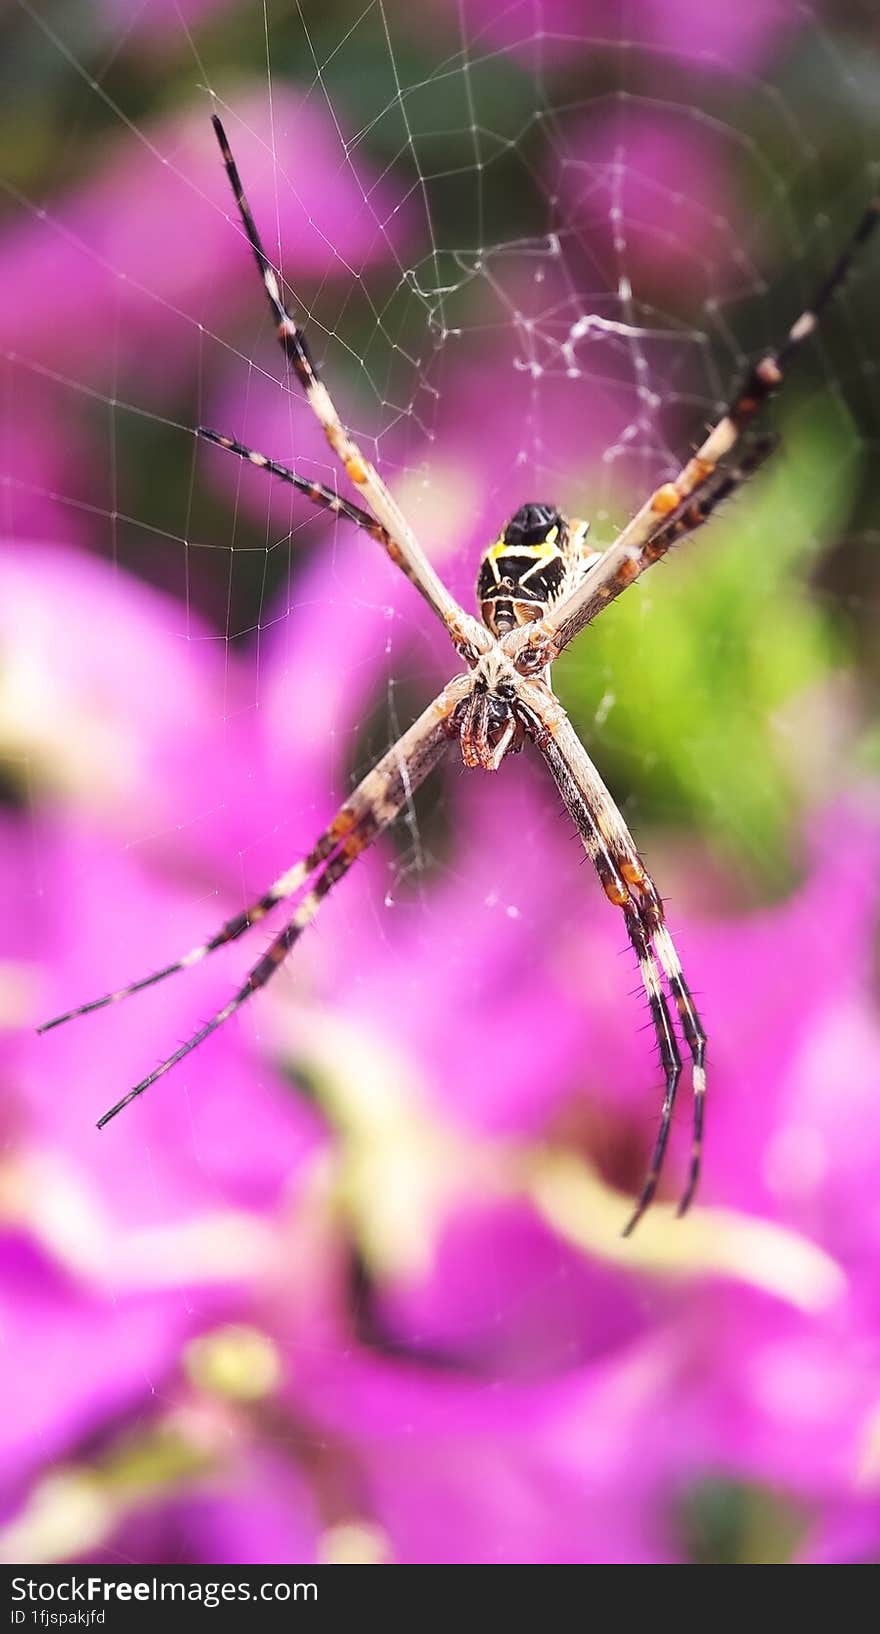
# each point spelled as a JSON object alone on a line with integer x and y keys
{"x": 527, "y": 568}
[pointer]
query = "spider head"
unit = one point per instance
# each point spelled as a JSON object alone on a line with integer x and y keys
{"x": 522, "y": 572}
{"x": 488, "y": 725}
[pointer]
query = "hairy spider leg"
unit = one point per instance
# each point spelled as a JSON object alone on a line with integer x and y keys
{"x": 265, "y": 967}
{"x": 287, "y": 885}
{"x": 466, "y": 632}
{"x": 378, "y": 799}
{"x": 701, "y": 506}
{"x": 628, "y": 886}
{"x": 325, "y": 498}
{"x": 375, "y": 803}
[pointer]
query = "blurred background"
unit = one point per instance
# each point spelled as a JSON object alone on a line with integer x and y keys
{"x": 349, "y": 1284}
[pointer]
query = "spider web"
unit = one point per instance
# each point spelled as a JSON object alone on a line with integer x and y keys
{"x": 534, "y": 246}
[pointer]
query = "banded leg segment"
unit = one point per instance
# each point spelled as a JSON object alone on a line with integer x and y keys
{"x": 695, "y": 1037}
{"x": 292, "y": 342}
{"x": 468, "y": 635}
{"x": 263, "y": 970}
{"x": 375, "y": 803}
{"x": 537, "y": 645}
{"x": 703, "y": 505}
{"x": 690, "y": 516}
{"x": 285, "y": 886}
{"x": 627, "y": 885}
{"x": 651, "y": 916}
{"x": 325, "y": 498}
{"x": 640, "y": 940}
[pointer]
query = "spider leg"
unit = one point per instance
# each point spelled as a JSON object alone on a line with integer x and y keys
{"x": 628, "y": 886}
{"x": 692, "y": 514}
{"x": 695, "y": 1036}
{"x": 670, "y": 1058}
{"x": 536, "y": 645}
{"x": 264, "y": 968}
{"x": 325, "y": 498}
{"x": 233, "y": 928}
{"x": 649, "y": 908}
{"x": 468, "y": 635}
{"x": 374, "y": 804}
{"x": 701, "y": 506}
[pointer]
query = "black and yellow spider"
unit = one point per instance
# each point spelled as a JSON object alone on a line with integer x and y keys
{"x": 539, "y": 585}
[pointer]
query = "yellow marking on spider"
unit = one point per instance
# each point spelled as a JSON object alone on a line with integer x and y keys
{"x": 357, "y": 841}
{"x": 695, "y": 472}
{"x": 356, "y": 469}
{"x": 542, "y": 552}
{"x": 615, "y": 892}
{"x": 546, "y": 556}
{"x": 345, "y": 820}
{"x": 666, "y": 499}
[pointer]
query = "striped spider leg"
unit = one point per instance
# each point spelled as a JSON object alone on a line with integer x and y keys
{"x": 627, "y": 885}
{"x": 394, "y": 532}
{"x": 539, "y": 584}
{"x": 630, "y": 554}
{"x": 697, "y": 510}
{"x": 611, "y": 849}
{"x": 376, "y": 802}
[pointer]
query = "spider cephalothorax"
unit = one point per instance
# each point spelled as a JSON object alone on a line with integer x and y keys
{"x": 527, "y": 567}
{"x": 538, "y": 587}
{"x": 488, "y": 723}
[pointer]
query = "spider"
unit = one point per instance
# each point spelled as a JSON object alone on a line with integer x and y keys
{"x": 539, "y": 585}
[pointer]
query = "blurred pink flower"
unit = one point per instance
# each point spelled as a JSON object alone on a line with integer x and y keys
{"x": 151, "y": 255}
{"x": 49, "y": 473}
{"x": 661, "y": 183}
{"x": 80, "y": 705}
{"x": 157, "y": 22}
{"x": 731, "y": 39}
